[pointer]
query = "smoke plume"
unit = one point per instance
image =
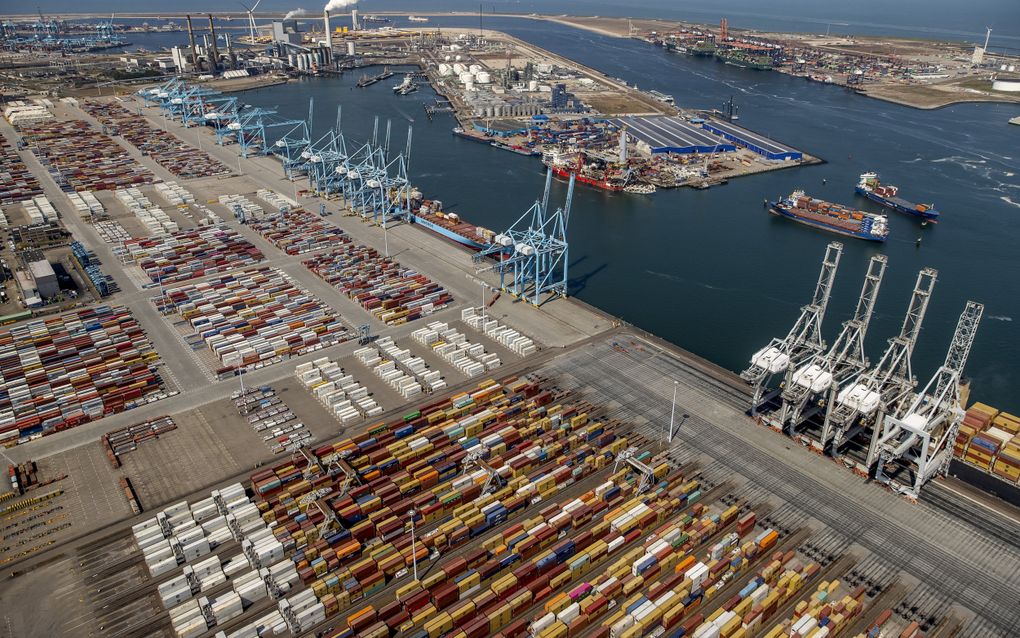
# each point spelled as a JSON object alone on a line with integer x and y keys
{"x": 333, "y": 5}
{"x": 295, "y": 13}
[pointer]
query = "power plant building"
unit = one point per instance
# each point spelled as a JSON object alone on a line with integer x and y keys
{"x": 286, "y": 31}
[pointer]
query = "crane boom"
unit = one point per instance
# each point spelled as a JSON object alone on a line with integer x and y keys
{"x": 860, "y": 405}
{"x": 919, "y": 439}
{"x": 804, "y": 338}
{"x": 844, "y": 359}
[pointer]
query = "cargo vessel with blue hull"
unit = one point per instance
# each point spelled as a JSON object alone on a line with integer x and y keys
{"x": 869, "y": 186}
{"x": 429, "y": 214}
{"x": 833, "y": 218}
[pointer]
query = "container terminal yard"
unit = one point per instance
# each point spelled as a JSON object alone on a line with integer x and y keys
{"x": 300, "y": 410}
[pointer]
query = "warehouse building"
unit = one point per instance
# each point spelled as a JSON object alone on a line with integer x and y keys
{"x": 759, "y": 144}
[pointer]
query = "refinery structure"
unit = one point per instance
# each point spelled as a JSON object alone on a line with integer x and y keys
{"x": 256, "y": 382}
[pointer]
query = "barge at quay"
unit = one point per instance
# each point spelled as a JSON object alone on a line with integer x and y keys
{"x": 869, "y": 186}
{"x": 834, "y": 218}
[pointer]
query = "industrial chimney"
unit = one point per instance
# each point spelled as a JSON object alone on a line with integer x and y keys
{"x": 354, "y": 20}
{"x": 195, "y": 65}
{"x": 214, "y": 55}
{"x": 329, "y": 36}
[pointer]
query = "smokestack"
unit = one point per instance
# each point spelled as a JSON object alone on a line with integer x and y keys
{"x": 214, "y": 55}
{"x": 354, "y": 19}
{"x": 329, "y": 36}
{"x": 230, "y": 51}
{"x": 191, "y": 39}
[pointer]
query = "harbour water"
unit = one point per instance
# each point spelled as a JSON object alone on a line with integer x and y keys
{"x": 711, "y": 270}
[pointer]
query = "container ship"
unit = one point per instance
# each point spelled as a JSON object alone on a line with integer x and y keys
{"x": 872, "y": 188}
{"x": 834, "y": 218}
{"x": 599, "y": 174}
{"x": 429, "y": 214}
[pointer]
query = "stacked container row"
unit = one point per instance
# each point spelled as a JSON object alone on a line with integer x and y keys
{"x": 513, "y": 340}
{"x": 59, "y": 372}
{"x": 253, "y": 316}
{"x": 393, "y": 294}
{"x": 296, "y": 231}
{"x": 406, "y": 373}
{"x": 165, "y": 148}
{"x": 174, "y": 193}
{"x": 470, "y": 358}
{"x": 16, "y": 182}
{"x": 191, "y": 253}
{"x": 155, "y": 220}
{"x": 80, "y": 158}
{"x": 545, "y": 452}
{"x": 87, "y": 205}
{"x": 340, "y": 393}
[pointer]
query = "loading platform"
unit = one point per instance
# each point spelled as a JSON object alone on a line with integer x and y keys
{"x": 760, "y": 144}
{"x": 666, "y": 134}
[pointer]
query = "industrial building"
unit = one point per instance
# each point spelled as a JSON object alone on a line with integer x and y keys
{"x": 286, "y": 31}
{"x": 45, "y": 278}
{"x": 759, "y": 144}
{"x": 673, "y": 135}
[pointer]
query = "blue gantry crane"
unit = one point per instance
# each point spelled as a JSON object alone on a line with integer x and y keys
{"x": 534, "y": 253}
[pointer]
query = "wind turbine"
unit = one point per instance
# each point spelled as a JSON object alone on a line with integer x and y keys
{"x": 251, "y": 18}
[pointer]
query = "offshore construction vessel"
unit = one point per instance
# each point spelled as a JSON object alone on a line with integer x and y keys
{"x": 869, "y": 186}
{"x": 834, "y": 218}
{"x": 599, "y": 174}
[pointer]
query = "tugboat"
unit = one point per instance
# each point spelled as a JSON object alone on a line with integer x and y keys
{"x": 869, "y": 186}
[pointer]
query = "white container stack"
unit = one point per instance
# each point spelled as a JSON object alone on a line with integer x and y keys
{"x": 513, "y": 340}
{"x": 271, "y": 622}
{"x": 175, "y": 193}
{"x": 183, "y": 534}
{"x": 305, "y": 610}
{"x": 277, "y": 201}
{"x": 112, "y": 232}
{"x": 470, "y": 358}
{"x": 238, "y": 204}
{"x": 86, "y": 204}
{"x": 40, "y": 210}
{"x": 340, "y": 393}
{"x": 408, "y": 374}
{"x": 3, "y": 220}
{"x": 187, "y": 619}
{"x": 152, "y": 217}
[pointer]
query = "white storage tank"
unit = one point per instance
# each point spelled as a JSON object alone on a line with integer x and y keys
{"x": 483, "y": 77}
{"x": 444, "y": 69}
{"x": 469, "y": 85}
{"x": 475, "y": 68}
{"x": 466, "y": 77}
{"x": 459, "y": 68}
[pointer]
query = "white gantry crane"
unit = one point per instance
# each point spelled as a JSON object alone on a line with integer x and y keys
{"x": 919, "y": 440}
{"x": 845, "y": 358}
{"x": 803, "y": 340}
{"x": 858, "y": 408}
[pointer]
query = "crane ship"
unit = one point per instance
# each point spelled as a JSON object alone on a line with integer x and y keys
{"x": 601, "y": 175}
{"x": 834, "y": 218}
{"x": 872, "y": 188}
